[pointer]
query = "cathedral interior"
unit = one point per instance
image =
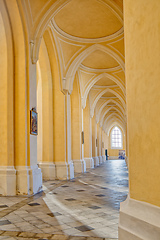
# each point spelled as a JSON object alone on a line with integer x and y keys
{"x": 79, "y": 107}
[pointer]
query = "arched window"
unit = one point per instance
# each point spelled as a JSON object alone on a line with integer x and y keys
{"x": 116, "y": 138}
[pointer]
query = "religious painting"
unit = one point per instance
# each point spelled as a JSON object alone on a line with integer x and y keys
{"x": 33, "y": 122}
{"x": 82, "y": 137}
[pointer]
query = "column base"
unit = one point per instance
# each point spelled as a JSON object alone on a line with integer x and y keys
{"x": 103, "y": 158}
{"x": 96, "y": 161}
{"x": 89, "y": 163}
{"x": 7, "y": 181}
{"x": 139, "y": 221}
{"x": 64, "y": 171}
{"x": 29, "y": 180}
{"x": 79, "y": 166}
{"x": 48, "y": 170}
{"x": 100, "y": 160}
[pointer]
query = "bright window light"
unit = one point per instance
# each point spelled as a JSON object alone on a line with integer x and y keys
{"x": 116, "y": 138}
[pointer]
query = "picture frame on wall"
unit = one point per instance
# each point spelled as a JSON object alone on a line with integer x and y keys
{"x": 82, "y": 137}
{"x": 33, "y": 122}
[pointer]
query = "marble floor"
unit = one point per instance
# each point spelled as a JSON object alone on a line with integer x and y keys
{"x": 85, "y": 208}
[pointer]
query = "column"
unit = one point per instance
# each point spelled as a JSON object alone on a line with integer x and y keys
{"x": 103, "y": 147}
{"x": 94, "y": 142}
{"x": 87, "y": 125}
{"x": 100, "y": 145}
{"x": 62, "y": 144}
{"x": 64, "y": 168}
{"x": 139, "y": 214}
{"x": 28, "y": 175}
{"x": 45, "y": 115}
{"x": 7, "y": 170}
{"x": 77, "y": 129}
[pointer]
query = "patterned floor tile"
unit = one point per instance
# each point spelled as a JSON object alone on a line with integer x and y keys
{"x": 84, "y": 228}
{"x": 86, "y": 207}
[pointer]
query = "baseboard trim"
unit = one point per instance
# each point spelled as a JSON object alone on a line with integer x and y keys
{"x": 139, "y": 221}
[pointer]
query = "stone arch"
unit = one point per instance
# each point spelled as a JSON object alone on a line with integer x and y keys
{"x": 111, "y": 117}
{"x": 102, "y": 118}
{"x": 79, "y": 59}
{"x": 97, "y": 78}
{"x": 101, "y": 94}
{"x": 49, "y": 10}
{"x": 105, "y": 104}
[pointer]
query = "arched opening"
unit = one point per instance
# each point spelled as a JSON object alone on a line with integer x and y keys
{"x": 116, "y": 143}
{"x": 116, "y": 138}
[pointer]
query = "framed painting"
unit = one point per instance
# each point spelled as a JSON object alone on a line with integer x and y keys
{"x": 33, "y": 122}
{"x": 82, "y": 137}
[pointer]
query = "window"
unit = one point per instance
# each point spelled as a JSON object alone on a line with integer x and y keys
{"x": 116, "y": 138}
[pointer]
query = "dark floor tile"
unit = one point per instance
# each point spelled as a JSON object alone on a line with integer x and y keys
{"x": 95, "y": 207}
{"x": 70, "y": 199}
{"x": 5, "y": 222}
{"x": 3, "y": 206}
{"x": 33, "y": 204}
{"x": 100, "y": 195}
{"x": 84, "y": 228}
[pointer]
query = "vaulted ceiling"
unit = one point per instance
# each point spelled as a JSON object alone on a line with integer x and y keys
{"x": 89, "y": 41}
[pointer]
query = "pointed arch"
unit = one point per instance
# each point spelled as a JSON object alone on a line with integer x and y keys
{"x": 96, "y": 79}
{"x": 79, "y": 59}
{"x": 102, "y": 118}
{"x": 105, "y": 104}
{"x": 101, "y": 94}
{"x": 111, "y": 116}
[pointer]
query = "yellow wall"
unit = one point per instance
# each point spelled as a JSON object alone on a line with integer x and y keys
{"x": 142, "y": 43}
{"x": 59, "y": 134}
{"x": 76, "y": 122}
{"x": 44, "y": 106}
{"x": 94, "y": 137}
{"x": 87, "y": 131}
{"x": 6, "y": 102}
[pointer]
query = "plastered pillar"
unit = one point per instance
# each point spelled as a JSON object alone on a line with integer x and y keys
{"x": 28, "y": 175}
{"x": 87, "y": 127}
{"x": 76, "y": 130}
{"x": 140, "y": 213}
{"x": 94, "y": 142}
{"x": 45, "y": 115}
{"x": 7, "y": 170}
{"x": 62, "y": 136}
{"x": 103, "y": 147}
{"x": 64, "y": 168}
{"x": 100, "y": 145}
